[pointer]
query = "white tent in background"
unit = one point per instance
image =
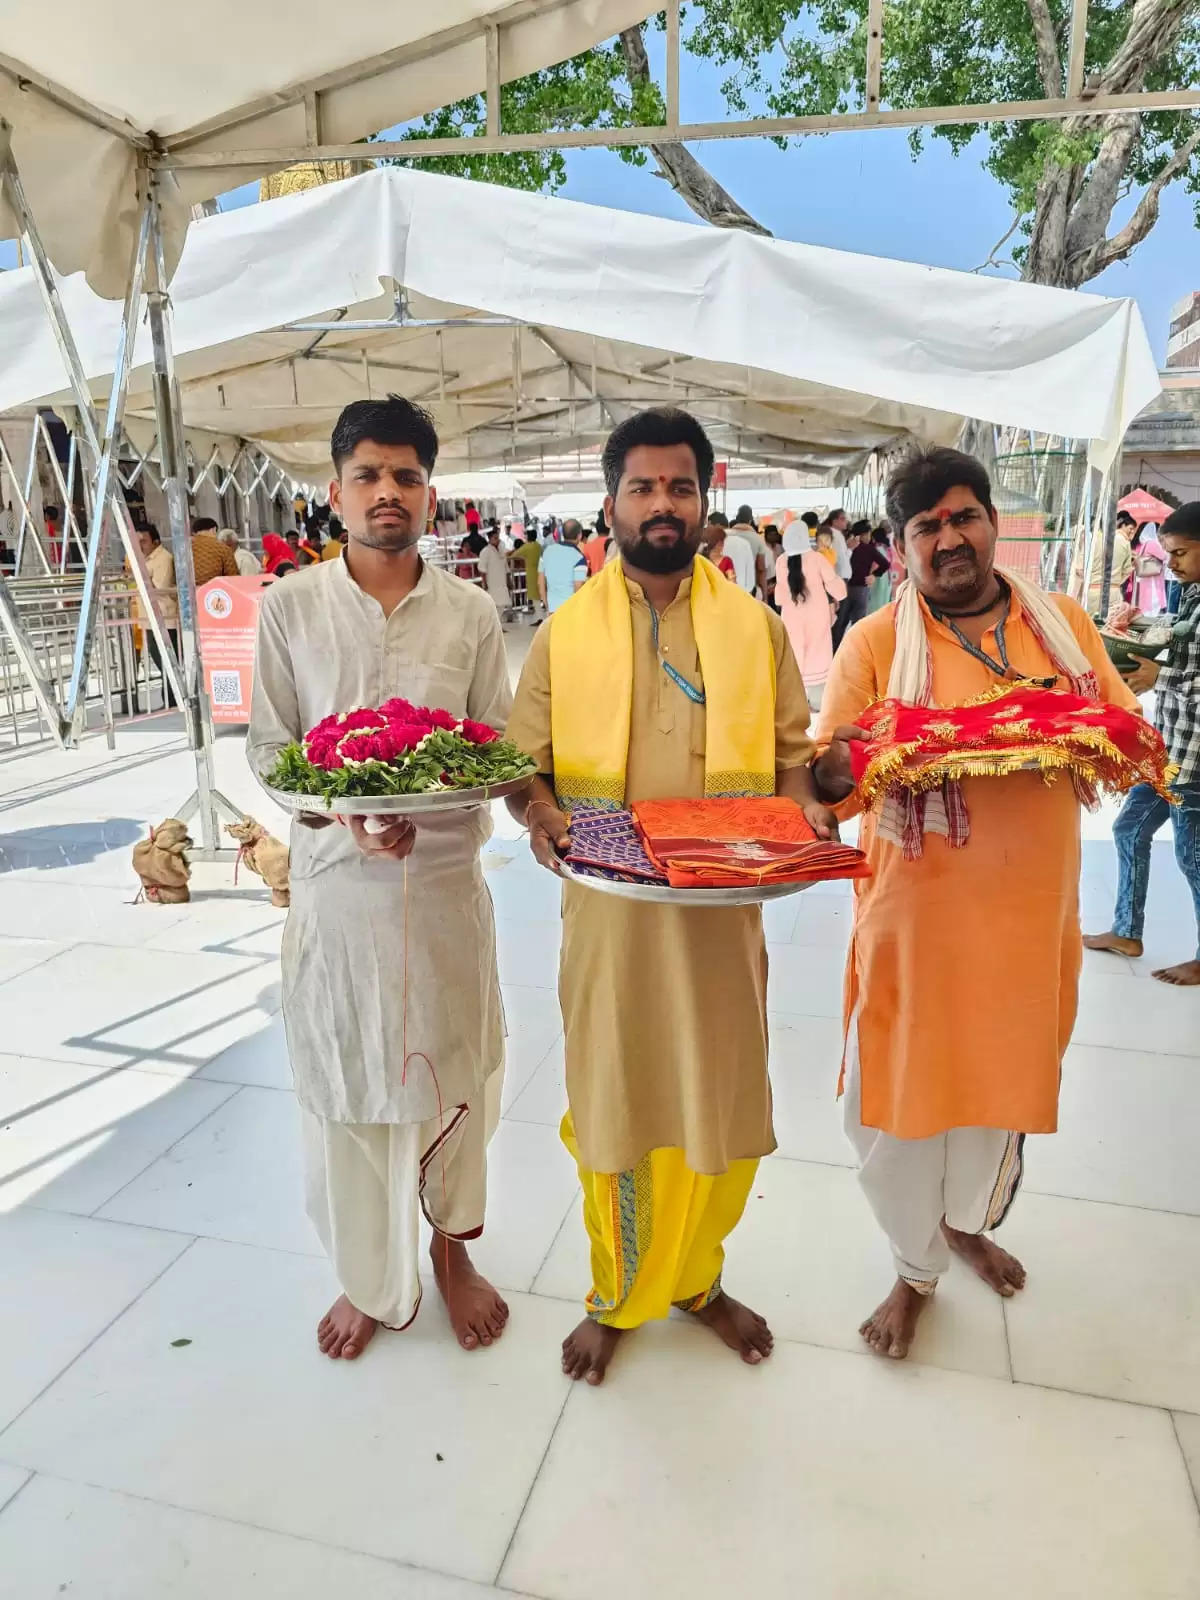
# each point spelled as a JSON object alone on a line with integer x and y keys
{"x": 561, "y": 318}
{"x": 91, "y": 86}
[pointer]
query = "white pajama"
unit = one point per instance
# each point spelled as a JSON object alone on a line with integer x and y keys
{"x": 969, "y": 1176}
{"x": 366, "y": 1184}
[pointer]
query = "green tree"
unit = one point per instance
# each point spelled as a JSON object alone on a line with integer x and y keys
{"x": 1071, "y": 182}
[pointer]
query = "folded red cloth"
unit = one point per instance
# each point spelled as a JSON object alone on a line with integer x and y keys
{"x": 725, "y": 844}
{"x": 1014, "y": 728}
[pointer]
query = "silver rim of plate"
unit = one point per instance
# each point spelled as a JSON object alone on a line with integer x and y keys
{"x": 663, "y": 895}
{"x": 395, "y": 805}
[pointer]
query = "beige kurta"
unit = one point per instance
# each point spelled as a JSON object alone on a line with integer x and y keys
{"x": 664, "y": 1008}
{"x": 352, "y": 1004}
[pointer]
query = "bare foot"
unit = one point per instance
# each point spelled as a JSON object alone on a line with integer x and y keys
{"x": 477, "y": 1313}
{"x": 996, "y": 1267}
{"x": 344, "y": 1332}
{"x": 588, "y": 1349}
{"x": 1113, "y": 942}
{"x": 890, "y": 1328}
{"x": 741, "y": 1329}
{"x": 1184, "y": 975}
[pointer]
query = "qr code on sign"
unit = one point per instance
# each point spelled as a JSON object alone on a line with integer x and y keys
{"x": 227, "y": 688}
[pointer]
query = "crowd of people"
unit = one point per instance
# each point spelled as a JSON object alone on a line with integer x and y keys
{"x": 663, "y": 678}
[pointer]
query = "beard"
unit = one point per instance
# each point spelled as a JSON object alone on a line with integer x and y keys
{"x": 393, "y": 537}
{"x": 640, "y": 552}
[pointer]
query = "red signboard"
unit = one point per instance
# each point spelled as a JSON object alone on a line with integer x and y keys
{"x": 227, "y": 618}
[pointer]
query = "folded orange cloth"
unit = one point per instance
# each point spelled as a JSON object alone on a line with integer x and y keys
{"x": 726, "y": 844}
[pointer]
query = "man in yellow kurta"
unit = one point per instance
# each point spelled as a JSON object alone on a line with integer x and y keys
{"x": 964, "y": 966}
{"x": 657, "y": 680}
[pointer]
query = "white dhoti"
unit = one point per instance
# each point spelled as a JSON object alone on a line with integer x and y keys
{"x": 367, "y": 1184}
{"x": 968, "y": 1176}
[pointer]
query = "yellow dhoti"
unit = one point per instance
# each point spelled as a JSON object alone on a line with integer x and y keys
{"x": 657, "y": 1233}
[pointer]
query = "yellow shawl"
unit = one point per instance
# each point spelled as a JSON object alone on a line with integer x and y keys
{"x": 591, "y": 693}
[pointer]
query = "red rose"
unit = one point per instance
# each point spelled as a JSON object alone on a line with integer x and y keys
{"x": 397, "y": 710}
{"x": 478, "y": 732}
{"x": 326, "y": 725}
{"x": 323, "y": 753}
{"x": 443, "y": 720}
{"x": 363, "y": 718}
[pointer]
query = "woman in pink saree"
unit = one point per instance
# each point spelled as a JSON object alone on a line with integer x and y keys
{"x": 1148, "y": 585}
{"x": 808, "y": 592}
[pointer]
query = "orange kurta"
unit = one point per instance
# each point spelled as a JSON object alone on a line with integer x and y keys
{"x": 964, "y": 964}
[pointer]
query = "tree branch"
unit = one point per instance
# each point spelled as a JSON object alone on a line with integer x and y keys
{"x": 1046, "y": 43}
{"x": 693, "y": 182}
{"x": 1092, "y": 212}
{"x": 992, "y": 260}
{"x": 1153, "y": 30}
{"x": 1092, "y": 261}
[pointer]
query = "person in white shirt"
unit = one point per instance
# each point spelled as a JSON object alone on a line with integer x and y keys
{"x": 391, "y": 1000}
{"x": 839, "y": 522}
{"x": 493, "y": 568}
{"x": 746, "y": 528}
{"x": 247, "y": 564}
{"x": 737, "y": 550}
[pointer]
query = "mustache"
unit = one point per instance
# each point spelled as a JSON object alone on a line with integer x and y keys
{"x": 389, "y": 505}
{"x": 959, "y": 553}
{"x": 675, "y": 523}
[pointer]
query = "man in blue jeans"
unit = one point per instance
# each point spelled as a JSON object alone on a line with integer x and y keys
{"x": 1177, "y": 717}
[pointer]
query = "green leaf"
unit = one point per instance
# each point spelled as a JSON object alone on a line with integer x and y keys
{"x": 178, "y": 1344}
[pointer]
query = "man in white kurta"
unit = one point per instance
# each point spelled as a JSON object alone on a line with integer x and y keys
{"x": 391, "y": 1001}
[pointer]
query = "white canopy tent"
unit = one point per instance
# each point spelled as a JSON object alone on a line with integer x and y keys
{"x": 99, "y": 109}
{"x": 789, "y": 353}
{"x": 92, "y": 89}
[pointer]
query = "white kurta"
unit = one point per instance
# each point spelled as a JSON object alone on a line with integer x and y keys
{"x": 352, "y": 1005}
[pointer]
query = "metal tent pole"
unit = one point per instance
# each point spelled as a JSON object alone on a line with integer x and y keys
{"x": 206, "y": 801}
{"x": 66, "y": 728}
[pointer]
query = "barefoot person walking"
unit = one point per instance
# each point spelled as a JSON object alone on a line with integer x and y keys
{"x": 1176, "y": 684}
{"x": 661, "y": 679}
{"x": 964, "y": 964}
{"x": 390, "y": 995}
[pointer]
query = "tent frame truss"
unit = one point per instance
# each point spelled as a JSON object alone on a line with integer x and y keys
{"x": 1076, "y": 100}
{"x": 147, "y": 290}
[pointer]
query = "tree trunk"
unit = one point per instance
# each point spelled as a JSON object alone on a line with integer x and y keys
{"x": 1069, "y": 242}
{"x": 693, "y": 182}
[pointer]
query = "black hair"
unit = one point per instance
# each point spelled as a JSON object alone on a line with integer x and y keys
{"x": 1126, "y": 516}
{"x": 391, "y": 421}
{"x": 1184, "y": 523}
{"x": 717, "y": 519}
{"x": 881, "y": 536}
{"x": 665, "y": 426}
{"x": 924, "y": 475}
{"x": 204, "y": 525}
{"x": 601, "y": 524}
{"x": 838, "y": 511}
{"x": 283, "y": 568}
{"x": 797, "y": 582}
{"x": 745, "y": 514}
{"x": 857, "y": 529}
{"x": 810, "y": 519}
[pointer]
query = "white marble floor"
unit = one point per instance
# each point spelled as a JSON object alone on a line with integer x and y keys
{"x": 168, "y": 1430}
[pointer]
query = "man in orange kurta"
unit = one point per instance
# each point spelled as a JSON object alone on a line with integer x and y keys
{"x": 963, "y": 973}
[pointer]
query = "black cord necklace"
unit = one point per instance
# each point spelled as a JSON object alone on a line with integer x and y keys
{"x": 1001, "y": 667}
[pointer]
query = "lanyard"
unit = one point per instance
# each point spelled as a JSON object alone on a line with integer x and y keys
{"x": 697, "y": 696}
{"x": 1001, "y": 667}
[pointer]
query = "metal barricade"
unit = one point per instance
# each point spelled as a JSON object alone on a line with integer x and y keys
{"x": 119, "y": 680}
